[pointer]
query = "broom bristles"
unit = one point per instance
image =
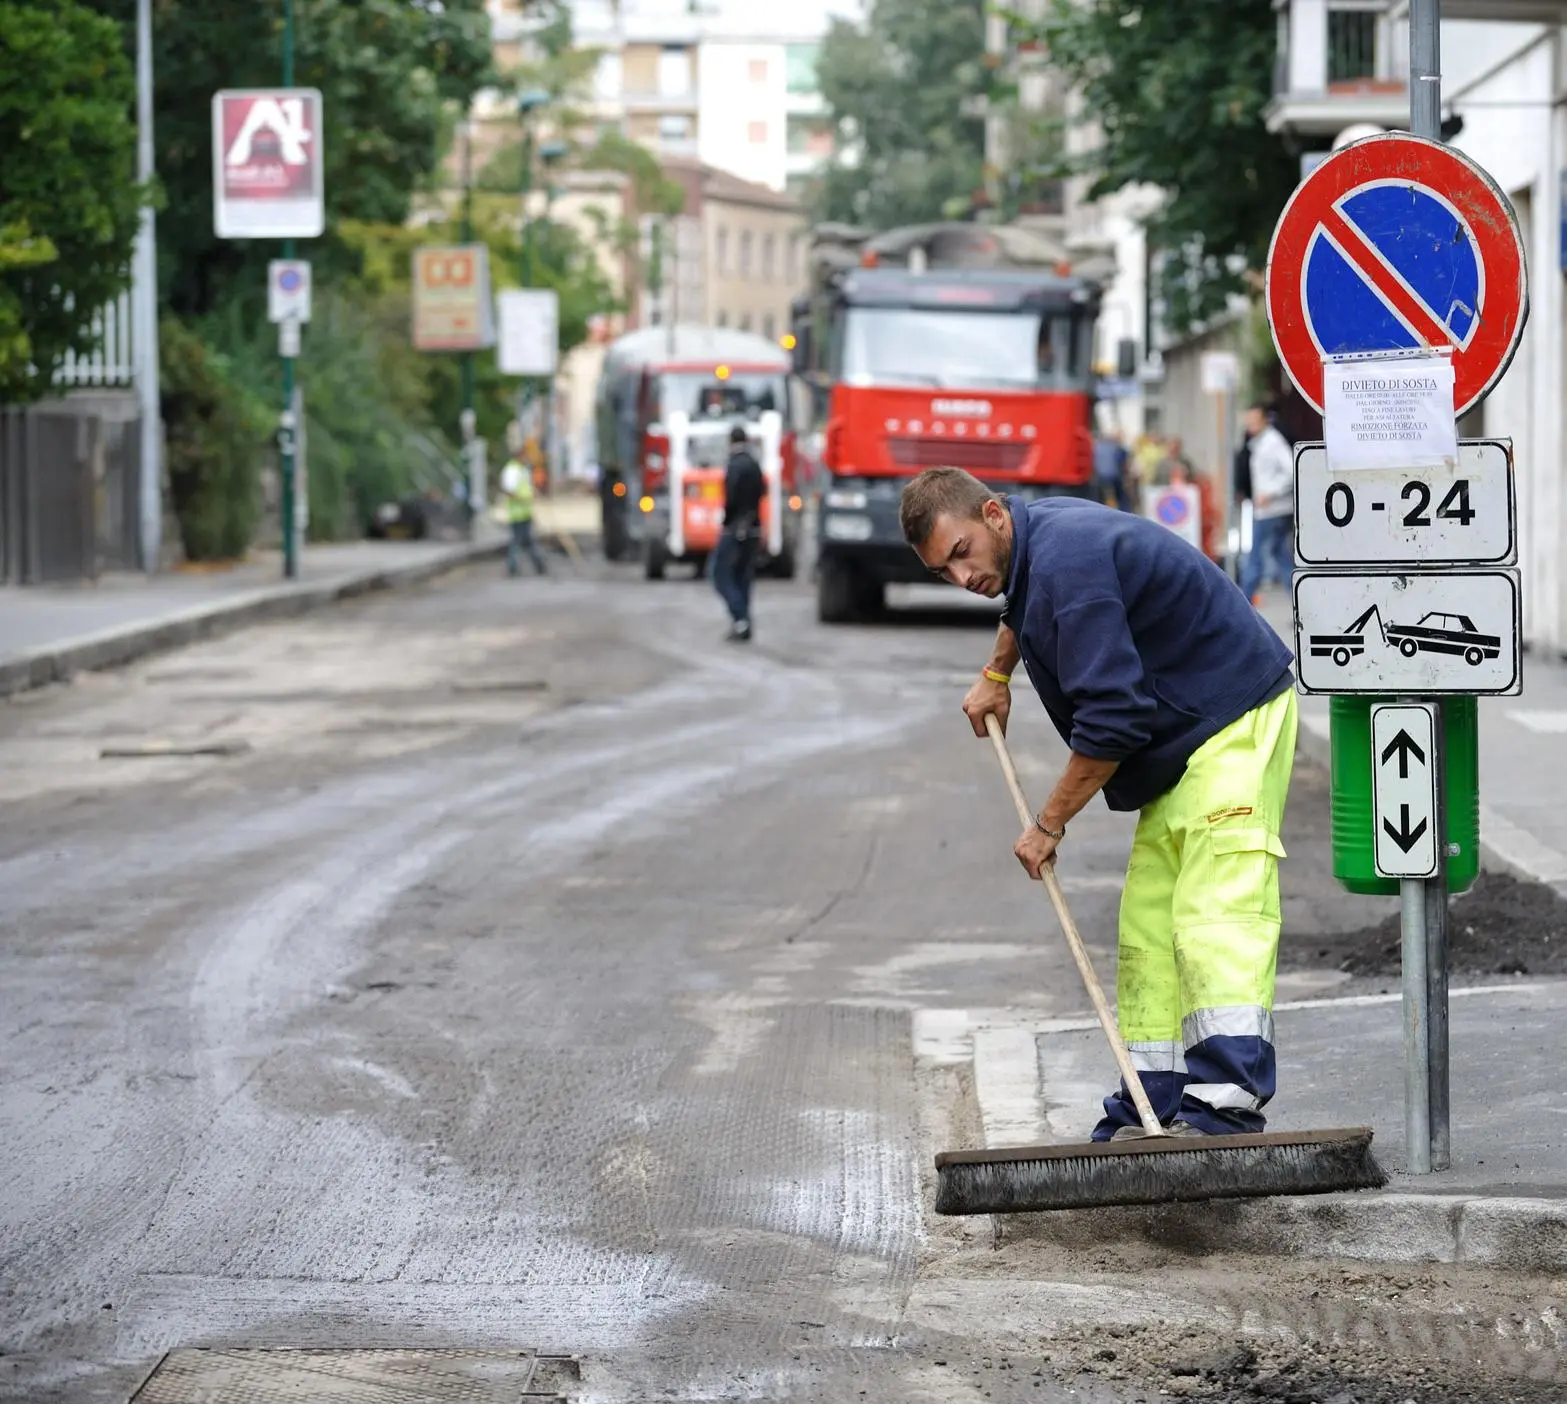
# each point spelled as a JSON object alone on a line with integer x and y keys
{"x": 1157, "y": 1170}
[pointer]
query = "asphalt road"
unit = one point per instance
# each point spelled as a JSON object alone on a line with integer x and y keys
{"x": 538, "y": 970}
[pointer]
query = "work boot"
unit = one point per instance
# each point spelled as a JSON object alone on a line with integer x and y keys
{"x": 1176, "y": 1129}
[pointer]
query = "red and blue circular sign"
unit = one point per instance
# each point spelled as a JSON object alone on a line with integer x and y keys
{"x": 1171, "y": 509}
{"x": 1398, "y": 243}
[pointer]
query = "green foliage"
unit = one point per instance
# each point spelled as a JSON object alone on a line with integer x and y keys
{"x": 907, "y": 92}
{"x": 1177, "y": 90}
{"x": 69, "y": 201}
{"x": 387, "y": 71}
{"x": 215, "y": 433}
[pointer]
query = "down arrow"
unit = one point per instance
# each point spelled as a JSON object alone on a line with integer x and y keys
{"x": 1403, "y": 746}
{"x": 1405, "y": 837}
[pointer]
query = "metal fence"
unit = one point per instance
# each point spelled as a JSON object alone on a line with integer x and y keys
{"x": 69, "y": 487}
{"x": 110, "y": 362}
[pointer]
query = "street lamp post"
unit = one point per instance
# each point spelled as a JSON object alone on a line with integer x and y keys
{"x": 289, "y": 437}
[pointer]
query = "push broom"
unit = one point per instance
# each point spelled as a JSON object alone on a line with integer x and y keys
{"x": 1157, "y": 1168}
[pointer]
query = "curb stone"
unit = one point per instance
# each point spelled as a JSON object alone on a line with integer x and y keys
{"x": 1521, "y": 1235}
{"x": 115, "y": 647}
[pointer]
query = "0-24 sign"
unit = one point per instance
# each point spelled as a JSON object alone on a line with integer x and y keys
{"x": 1463, "y": 515}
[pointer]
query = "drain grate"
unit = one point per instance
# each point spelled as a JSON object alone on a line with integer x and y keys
{"x": 357, "y": 1377}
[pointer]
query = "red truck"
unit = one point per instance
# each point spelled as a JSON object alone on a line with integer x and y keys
{"x": 713, "y": 378}
{"x": 938, "y": 345}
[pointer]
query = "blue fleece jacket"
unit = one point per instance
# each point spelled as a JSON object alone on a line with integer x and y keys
{"x": 1139, "y": 646}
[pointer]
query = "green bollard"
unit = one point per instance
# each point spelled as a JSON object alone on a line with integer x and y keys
{"x": 1354, "y": 858}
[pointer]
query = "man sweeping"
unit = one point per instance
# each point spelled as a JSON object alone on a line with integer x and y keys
{"x": 1176, "y": 700}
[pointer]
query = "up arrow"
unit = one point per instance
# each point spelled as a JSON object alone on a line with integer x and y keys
{"x": 1405, "y": 837}
{"x": 1403, "y": 746}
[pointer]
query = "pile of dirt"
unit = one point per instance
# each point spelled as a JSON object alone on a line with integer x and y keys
{"x": 1501, "y": 926}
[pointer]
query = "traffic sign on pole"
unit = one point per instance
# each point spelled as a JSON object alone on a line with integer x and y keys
{"x": 1403, "y": 789}
{"x": 1397, "y": 243}
{"x": 1464, "y": 516}
{"x": 1412, "y": 633}
{"x": 288, "y": 290}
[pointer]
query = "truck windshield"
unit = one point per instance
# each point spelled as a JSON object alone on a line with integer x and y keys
{"x": 740, "y": 395}
{"x": 965, "y": 350}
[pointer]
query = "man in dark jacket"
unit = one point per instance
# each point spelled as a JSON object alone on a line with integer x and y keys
{"x": 734, "y": 560}
{"x": 1177, "y": 700}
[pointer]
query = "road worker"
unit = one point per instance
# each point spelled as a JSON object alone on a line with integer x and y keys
{"x": 1176, "y": 700}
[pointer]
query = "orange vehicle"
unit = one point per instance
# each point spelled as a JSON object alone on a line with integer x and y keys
{"x": 940, "y": 345}
{"x": 708, "y": 379}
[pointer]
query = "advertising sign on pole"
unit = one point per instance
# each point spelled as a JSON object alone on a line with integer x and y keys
{"x": 267, "y": 164}
{"x": 529, "y": 332}
{"x": 451, "y": 298}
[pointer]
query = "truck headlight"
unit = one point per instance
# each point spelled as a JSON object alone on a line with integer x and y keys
{"x": 846, "y": 499}
{"x": 847, "y": 526}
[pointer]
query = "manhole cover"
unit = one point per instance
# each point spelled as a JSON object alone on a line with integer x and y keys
{"x": 357, "y": 1377}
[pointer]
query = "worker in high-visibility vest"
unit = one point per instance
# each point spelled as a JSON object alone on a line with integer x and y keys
{"x": 517, "y": 490}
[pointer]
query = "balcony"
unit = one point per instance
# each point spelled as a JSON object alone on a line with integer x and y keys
{"x": 1340, "y": 62}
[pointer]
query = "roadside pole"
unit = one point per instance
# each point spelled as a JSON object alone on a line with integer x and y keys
{"x": 288, "y": 346}
{"x": 467, "y": 419}
{"x": 1423, "y": 915}
{"x": 1406, "y": 535}
{"x": 144, "y": 319}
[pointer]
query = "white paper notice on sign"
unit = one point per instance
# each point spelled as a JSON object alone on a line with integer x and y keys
{"x": 1389, "y": 411}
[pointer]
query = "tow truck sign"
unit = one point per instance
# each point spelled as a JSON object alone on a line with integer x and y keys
{"x": 1415, "y": 634}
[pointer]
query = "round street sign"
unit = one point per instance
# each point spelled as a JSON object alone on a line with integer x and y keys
{"x": 1396, "y": 243}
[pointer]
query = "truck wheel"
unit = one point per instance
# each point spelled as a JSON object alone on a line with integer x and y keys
{"x": 1341, "y": 656}
{"x": 871, "y": 598}
{"x": 654, "y": 558}
{"x": 614, "y": 530}
{"x": 837, "y": 593}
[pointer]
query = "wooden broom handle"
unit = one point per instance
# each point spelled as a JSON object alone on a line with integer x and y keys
{"x": 1085, "y": 968}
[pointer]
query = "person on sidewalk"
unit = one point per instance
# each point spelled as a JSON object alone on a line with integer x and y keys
{"x": 1111, "y": 470}
{"x": 1272, "y": 504}
{"x": 1177, "y": 700}
{"x": 517, "y": 490}
{"x": 734, "y": 559}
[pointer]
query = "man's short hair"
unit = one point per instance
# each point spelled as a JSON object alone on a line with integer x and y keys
{"x": 939, "y": 490}
{"x": 737, "y": 435}
{"x": 1262, "y": 407}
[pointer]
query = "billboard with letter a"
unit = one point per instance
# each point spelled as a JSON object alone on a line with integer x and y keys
{"x": 266, "y": 164}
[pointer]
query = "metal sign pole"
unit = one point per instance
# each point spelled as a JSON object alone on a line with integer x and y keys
{"x": 290, "y": 350}
{"x": 1424, "y": 914}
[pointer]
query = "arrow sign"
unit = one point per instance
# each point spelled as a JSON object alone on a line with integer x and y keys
{"x": 1403, "y": 746}
{"x": 1405, "y": 837}
{"x": 1403, "y": 789}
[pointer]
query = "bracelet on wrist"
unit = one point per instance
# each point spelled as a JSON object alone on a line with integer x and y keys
{"x": 996, "y": 677}
{"x": 1056, "y": 834}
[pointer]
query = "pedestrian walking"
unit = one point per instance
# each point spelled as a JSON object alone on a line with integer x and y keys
{"x": 1176, "y": 700}
{"x": 1272, "y": 503}
{"x": 734, "y": 559}
{"x": 1111, "y": 465}
{"x": 517, "y": 490}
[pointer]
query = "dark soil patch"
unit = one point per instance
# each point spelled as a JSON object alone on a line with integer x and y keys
{"x": 1501, "y": 926}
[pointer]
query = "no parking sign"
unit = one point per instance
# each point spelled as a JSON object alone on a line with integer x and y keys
{"x": 1397, "y": 243}
{"x": 1177, "y": 507}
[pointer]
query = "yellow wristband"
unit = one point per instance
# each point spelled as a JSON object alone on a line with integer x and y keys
{"x": 994, "y": 676}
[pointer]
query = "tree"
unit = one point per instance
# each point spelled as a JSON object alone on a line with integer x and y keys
{"x": 1176, "y": 90}
{"x": 906, "y": 97}
{"x": 69, "y": 201}
{"x": 388, "y": 71}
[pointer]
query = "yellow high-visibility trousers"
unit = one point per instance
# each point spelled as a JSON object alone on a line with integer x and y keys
{"x": 1200, "y": 931}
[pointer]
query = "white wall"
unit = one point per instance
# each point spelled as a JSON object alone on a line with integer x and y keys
{"x": 1518, "y": 141}
{"x": 732, "y": 102}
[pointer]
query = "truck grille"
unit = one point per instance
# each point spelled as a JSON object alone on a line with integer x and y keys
{"x": 980, "y": 455}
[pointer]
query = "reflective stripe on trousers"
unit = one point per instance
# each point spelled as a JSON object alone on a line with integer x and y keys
{"x": 1200, "y": 931}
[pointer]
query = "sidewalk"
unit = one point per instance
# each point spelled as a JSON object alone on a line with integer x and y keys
{"x": 49, "y": 632}
{"x": 1523, "y": 745}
